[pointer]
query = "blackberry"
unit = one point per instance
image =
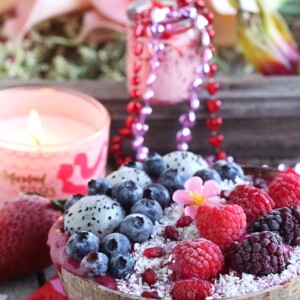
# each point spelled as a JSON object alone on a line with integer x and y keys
{"x": 261, "y": 253}
{"x": 284, "y": 221}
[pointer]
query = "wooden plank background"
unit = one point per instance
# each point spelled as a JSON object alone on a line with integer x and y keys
{"x": 261, "y": 125}
{"x": 261, "y": 116}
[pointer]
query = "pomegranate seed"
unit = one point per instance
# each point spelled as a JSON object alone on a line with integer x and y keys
{"x": 153, "y": 252}
{"x": 171, "y": 233}
{"x": 151, "y": 295}
{"x": 184, "y": 221}
{"x": 149, "y": 276}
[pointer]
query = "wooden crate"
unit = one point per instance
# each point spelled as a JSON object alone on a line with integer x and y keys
{"x": 261, "y": 116}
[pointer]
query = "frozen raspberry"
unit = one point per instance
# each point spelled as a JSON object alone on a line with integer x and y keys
{"x": 222, "y": 224}
{"x": 259, "y": 254}
{"x": 198, "y": 258}
{"x": 284, "y": 221}
{"x": 191, "y": 289}
{"x": 255, "y": 202}
{"x": 285, "y": 189}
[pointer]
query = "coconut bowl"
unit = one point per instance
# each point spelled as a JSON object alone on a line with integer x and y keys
{"x": 79, "y": 288}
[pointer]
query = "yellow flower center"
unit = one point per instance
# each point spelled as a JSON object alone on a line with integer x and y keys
{"x": 196, "y": 198}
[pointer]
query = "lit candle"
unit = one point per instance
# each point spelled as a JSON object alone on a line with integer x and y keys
{"x": 52, "y": 141}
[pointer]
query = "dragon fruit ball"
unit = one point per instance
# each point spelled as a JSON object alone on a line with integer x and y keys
{"x": 185, "y": 162}
{"x": 97, "y": 214}
{"x": 140, "y": 177}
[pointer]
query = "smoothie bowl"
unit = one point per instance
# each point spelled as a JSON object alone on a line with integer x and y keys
{"x": 176, "y": 228}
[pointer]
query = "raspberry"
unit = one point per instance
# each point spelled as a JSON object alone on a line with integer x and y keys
{"x": 255, "y": 202}
{"x": 284, "y": 221}
{"x": 198, "y": 258}
{"x": 184, "y": 221}
{"x": 222, "y": 224}
{"x": 153, "y": 252}
{"x": 259, "y": 254}
{"x": 191, "y": 289}
{"x": 285, "y": 189}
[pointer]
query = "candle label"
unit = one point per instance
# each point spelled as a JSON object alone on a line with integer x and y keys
{"x": 35, "y": 184}
{"x": 57, "y": 175}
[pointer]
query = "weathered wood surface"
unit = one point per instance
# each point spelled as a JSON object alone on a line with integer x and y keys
{"x": 21, "y": 288}
{"x": 261, "y": 116}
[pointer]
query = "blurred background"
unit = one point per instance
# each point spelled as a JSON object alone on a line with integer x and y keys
{"x": 85, "y": 39}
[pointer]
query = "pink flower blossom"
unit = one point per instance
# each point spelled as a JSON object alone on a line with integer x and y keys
{"x": 196, "y": 193}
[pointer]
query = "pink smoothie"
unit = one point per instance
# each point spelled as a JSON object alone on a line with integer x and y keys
{"x": 57, "y": 240}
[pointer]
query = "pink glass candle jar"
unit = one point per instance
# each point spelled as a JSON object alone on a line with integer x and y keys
{"x": 57, "y": 154}
{"x": 177, "y": 61}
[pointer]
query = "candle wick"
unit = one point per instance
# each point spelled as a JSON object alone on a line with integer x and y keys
{"x": 36, "y": 140}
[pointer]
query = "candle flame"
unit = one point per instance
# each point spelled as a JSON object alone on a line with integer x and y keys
{"x": 35, "y": 128}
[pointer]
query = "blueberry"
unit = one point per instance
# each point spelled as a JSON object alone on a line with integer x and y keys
{"x": 172, "y": 180}
{"x": 72, "y": 201}
{"x": 94, "y": 264}
{"x": 115, "y": 243}
{"x": 208, "y": 174}
{"x": 127, "y": 193}
{"x": 82, "y": 243}
{"x": 149, "y": 208}
{"x": 120, "y": 265}
{"x": 154, "y": 165}
{"x": 99, "y": 187}
{"x": 158, "y": 193}
{"x": 137, "y": 228}
{"x": 228, "y": 170}
{"x": 135, "y": 165}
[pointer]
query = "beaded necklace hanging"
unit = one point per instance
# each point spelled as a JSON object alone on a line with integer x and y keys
{"x": 154, "y": 21}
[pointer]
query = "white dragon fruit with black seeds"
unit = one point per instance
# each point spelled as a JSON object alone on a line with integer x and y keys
{"x": 140, "y": 177}
{"x": 97, "y": 214}
{"x": 185, "y": 162}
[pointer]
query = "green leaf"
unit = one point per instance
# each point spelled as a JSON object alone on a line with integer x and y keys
{"x": 58, "y": 204}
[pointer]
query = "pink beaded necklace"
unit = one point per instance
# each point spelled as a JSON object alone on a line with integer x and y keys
{"x": 156, "y": 22}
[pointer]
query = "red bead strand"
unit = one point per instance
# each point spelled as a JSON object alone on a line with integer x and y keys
{"x": 134, "y": 106}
